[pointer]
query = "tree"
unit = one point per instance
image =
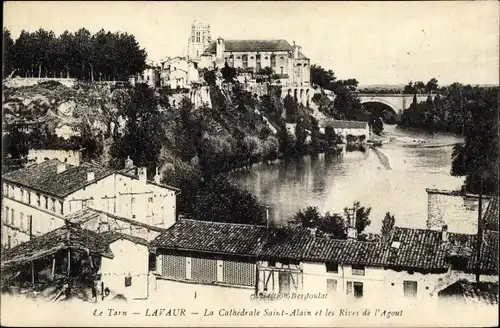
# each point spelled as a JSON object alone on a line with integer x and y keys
{"x": 307, "y": 218}
{"x": 300, "y": 136}
{"x": 387, "y": 225}
{"x": 334, "y": 224}
{"x": 291, "y": 108}
{"x": 144, "y": 134}
{"x": 209, "y": 77}
{"x": 228, "y": 73}
{"x": 322, "y": 77}
{"x": 362, "y": 216}
{"x": 330, "y": 136}
{"x": 8, "y": 45}
{"x": 477, "y": 157}
{"x": 432, "y": 85}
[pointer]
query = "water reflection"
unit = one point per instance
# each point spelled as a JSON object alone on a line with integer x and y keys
{"x": 332, "y": 182}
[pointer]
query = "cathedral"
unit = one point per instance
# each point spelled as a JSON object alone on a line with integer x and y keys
{"x": 286, "y": 61}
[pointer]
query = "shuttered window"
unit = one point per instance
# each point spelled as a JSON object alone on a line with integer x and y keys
{"x": 239, "y": 273}
{"x": 204, "y": 270}
{"x": 173, "y": 266}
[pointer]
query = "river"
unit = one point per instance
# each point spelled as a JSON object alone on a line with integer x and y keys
{"x": 417, "y": 160}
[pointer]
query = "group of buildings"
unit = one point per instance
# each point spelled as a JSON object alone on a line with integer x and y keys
{"x": 130, "y": 223}
{"x": 128, "y": 219}
{"x": 281, "y": 62}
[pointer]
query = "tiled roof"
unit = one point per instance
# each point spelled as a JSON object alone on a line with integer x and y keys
{"x": 68, "y": 236}
{"x": 417, "y": 248}
{"x": 482, "y": 292}
{"x": 44, "y": 177}
{"x": 112, "y": 236}
{"x": 491, "y": 215}
{"x": 251, "y": 46}
{"x": 302, "y": 56}
{"x": 213, "y": 237}
{"x": 338, "y": 124}
{"x": 88, "y": 214}
{"x": 132, "y": 173}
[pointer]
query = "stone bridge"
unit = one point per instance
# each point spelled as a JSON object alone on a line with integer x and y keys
{"x": 397, "y": 102}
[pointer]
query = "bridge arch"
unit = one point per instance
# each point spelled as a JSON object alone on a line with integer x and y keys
{"x": 381, "y": 101}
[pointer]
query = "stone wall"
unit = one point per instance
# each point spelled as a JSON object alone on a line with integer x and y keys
{"x": 456, "y": 209}
{"x": 18, "y": 82}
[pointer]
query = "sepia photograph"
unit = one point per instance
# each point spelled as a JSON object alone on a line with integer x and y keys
{"x": 250, "y": 163}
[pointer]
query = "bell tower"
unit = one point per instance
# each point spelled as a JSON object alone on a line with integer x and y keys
{"x": 199, "y": 40}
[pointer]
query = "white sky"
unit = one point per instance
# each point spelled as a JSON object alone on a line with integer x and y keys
{"x": 374, "y": 42}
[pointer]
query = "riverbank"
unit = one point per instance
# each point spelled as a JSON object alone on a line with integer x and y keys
{"x": 383, "y": 159}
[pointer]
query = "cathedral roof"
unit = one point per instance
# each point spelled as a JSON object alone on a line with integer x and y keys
{"x": 252, "y": 46}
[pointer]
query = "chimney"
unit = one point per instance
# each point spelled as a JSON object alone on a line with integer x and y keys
{"x": 444, "y": 233}
{"x": 61, "y": 168}
{"x": 129, "y": 163}
{"x": 142, "y": 172}
{"x": 90, "y": 176}
{"x": 352, "y": 233}
{"x": 313, "y": 231}
{"x": 157, "y": 176}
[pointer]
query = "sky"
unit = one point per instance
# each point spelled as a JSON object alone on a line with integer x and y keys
{"x": 373, "y": 42}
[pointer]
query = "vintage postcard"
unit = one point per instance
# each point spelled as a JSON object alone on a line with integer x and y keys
{"x": 256, "y": 164}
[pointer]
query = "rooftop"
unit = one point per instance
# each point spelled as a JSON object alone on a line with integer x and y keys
{"x": 212, "y": 237}
{"x": 251, "y": 46}
{"x": 482, "y": 292}
{"x": 418, "y": 249}
{"x": 338, "y": 124}
{"x": 491, "y": 215}
{"x": 112, "y": 236}
{"x": 67, "y": 237}
{"x": 44, "y": 177}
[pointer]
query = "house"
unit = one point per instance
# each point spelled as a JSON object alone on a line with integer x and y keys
{"x": 238, "y": 260}
{"x": 56, "y": 263}
{"x": 346, "y": 128}
{"x": 196, "y": 258}
{"x": 179, "y": 72}
{"x": 127, "y": 273}
{"x": 37, "y": 198}
{"x": 456, "y": 209}
{"x": 150, "y": 76}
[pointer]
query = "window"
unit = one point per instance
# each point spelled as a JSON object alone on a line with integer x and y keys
{"x": 251, "y": 57}
{"x": 7, "y": 214}
{"x": 150, "y": 206}
{"x": 284, "y": 282}
{"x": 21, "y": 217}
{"x": 332, "y": 267}
{"x": 46, "y": 199}
{"x": 53, "y": 205}
{"x": 38, "y": 200}
{"x": 29, "y": 222}
{"x": 358, "y": 270}
{"x": 266, "y": 58}
{"x": 61, "y": 207}
{"x": 203, "y": 270}
{"x": 238, "y": 57}
{"x": 29, "y": 198}
{"x": 331, "y": 285}
{"x": 281, "y": 70}
{"x": 12, "y": 214}
{"x": 355, "y": 289}
{"x": 410, "y": 288}
{"x": 245, "y": 61}
{"x": 22, "y": 195}
{"x": 128, "y": 281}
{"x": 238, "y": 273}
